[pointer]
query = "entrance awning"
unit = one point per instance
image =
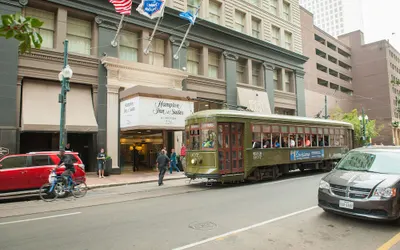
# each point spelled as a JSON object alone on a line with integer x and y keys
{"x": 41, "y": 110}
{"x": 152, "y": 108}
{"x": 254, "y": 100}
{"x": 166, "y": 93}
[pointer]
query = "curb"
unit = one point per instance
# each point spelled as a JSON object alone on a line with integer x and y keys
{"x": 91, "y": 187}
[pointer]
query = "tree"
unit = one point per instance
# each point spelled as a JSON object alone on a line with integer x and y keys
{"x": 22, "y": 29}
{"x": 372, "y": 130}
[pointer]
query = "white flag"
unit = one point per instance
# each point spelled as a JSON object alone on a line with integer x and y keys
{"x": 152, "y": 8}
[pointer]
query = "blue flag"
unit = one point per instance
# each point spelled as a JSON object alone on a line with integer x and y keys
{"x": 188, "y": 16}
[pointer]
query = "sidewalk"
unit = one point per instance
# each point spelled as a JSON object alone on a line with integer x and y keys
{"x": 93, "y": 181}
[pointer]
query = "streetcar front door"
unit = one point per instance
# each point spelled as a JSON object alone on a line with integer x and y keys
{"x": 230, "y": 148}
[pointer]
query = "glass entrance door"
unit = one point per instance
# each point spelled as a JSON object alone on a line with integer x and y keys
{"x": 230, "y": 148}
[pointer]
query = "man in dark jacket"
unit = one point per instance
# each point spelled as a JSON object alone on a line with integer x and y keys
{"x": 65, "y": 160}
{"x": 162, "y": 165}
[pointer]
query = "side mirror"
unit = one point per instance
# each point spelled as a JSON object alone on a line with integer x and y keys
{"x": 335, "y": 164}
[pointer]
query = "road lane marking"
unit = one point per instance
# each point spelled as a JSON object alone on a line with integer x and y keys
{"x": 390, "y": 243}
{"x": 40, "y": 218}
{"x": 219, "y": 237}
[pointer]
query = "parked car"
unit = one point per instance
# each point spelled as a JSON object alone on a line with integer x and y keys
{"x": 365, "y": 183}
{"x": 23, "y": 172}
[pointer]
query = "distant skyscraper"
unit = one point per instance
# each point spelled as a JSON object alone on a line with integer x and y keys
{"x": 336, "y": 16}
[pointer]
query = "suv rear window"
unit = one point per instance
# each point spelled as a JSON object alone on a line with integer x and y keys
{"x": 73, "y": 158}
{"x": 40, "y": 160}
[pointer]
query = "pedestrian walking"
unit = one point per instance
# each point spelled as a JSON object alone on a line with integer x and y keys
{"x": 68, "y": 147}
{"x": 174, "y": 162}
{"x": 135, "y": 159}
{"x": 101, "y": 160}
{"x": 162, "y": 165}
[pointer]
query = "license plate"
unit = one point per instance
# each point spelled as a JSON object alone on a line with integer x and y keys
{"x": 346, "y": 204}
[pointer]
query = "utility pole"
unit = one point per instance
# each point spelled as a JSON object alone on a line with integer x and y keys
{"x": 326, "y": 107}
{"x": 64, "y": 76}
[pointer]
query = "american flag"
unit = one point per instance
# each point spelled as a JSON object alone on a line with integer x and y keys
{"x": 122, "y": 7}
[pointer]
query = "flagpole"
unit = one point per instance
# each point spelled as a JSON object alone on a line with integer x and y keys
{"x": 176, "y": 56}
{"x": 114, "y": 41}
{"x": 147, "y": 49}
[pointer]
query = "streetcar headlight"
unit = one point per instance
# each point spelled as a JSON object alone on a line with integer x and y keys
{"x": 324, "y": 185}
{"x": 193, "y": 161}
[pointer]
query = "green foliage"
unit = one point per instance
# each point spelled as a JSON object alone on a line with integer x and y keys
{"x": 22, "y": 29}
{"x": 372, "y": 130}
{"x": 395, "y": 82}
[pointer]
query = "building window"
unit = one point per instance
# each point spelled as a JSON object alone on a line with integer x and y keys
{"x": 276, "y": 33}
{"x": 128, "y": 46}
{"x": 286, "y": 11}
{"x": 255, "y": 27}
{"x": 288, "y": 82}
{"x": 213, "y": 64}
{"x": 240, "y": 70}
{"x": 214, "y": 12}
{"x": 192, "y": 5}
{"x": 288, "y": 40}
{"x": 276, "y": 79}
{"x": 240, "y": 19}
{"x": 274, "y": 7}
{"x": 256, "y": 71}
{"x": 47, "y": 29}
{"x": 193, "y": 59}
{"x": 79, "y": 35}
{"x": 157, "y": 53}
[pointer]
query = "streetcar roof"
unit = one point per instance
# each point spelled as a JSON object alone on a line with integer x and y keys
{"x": 260, "y": 116}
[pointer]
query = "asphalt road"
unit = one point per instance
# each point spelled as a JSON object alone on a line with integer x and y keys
{"x": 271, "y": 215}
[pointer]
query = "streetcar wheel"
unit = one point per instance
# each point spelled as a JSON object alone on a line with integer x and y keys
{"x": 79, "y": 190}
{"x": 45, "y": 193}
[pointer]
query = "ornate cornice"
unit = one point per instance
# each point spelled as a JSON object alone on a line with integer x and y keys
{"x": 178, "y": 40}
{"x": 206, "y": 81}
{"x": 299, "y": 73}
{"x": 55, "y": 56}
{"x": 107, "y": 22}
{"x": 268, "y": 66}
{"x": 115, "y": 65}
{"x": 23, "y": 2}
{"x": 230, "y": 56}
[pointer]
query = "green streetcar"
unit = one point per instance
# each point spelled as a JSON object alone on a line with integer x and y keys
{"x": 231, "y": 146}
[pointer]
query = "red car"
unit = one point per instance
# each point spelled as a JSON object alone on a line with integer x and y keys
{"x": 23, "y": 172}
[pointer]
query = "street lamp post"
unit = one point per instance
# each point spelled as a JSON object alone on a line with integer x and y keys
{"x": 64, "y": 76}
{"x": 364, "y": 119}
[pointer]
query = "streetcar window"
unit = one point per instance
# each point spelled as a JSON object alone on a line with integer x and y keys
{"x": 314, "y": 137}
{"x": 332, "y": 137}
{"x": 266, "y": 137}
{"x": 187, "y": 136}
{"x": 342, "y": 137}
{"x": 208, "y": 135}
{"x": 275, "y": 129}
{"x": 320, "y": 137}
{"x": 284, "y": 137}
{"x": 300, "y": 137}
{"x": 337, "y": 137}
{"x": 256, "y": 142}
{"x": 194, "y": 141}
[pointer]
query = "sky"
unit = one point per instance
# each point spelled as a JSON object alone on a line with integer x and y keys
{"x": 381, "y": 19}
